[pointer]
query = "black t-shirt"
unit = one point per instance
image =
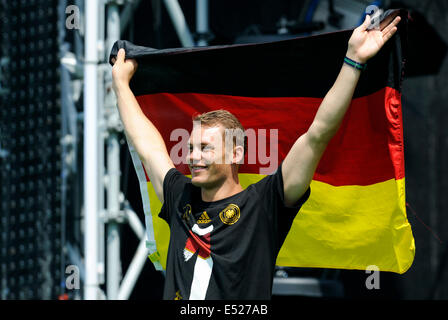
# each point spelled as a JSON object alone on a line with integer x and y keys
{"x": 224, "y": 249}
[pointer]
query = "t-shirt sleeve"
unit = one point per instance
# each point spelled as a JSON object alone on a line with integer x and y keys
{"x": 174, "y": 185}
{"x": 270, "y": 190}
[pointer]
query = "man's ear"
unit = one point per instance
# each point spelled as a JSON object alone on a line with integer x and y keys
{"x": 238, "y": 154}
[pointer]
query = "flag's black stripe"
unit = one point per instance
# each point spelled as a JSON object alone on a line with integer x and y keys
{"x": 301, "y": 67}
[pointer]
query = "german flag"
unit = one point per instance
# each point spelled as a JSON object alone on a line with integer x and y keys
{"x": 356, "y": 214}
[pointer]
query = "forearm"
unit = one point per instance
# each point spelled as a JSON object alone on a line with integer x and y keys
{"x": 334, "y": 106}
{"x": 138, "y": 128}
{"x": 140, "y": 131}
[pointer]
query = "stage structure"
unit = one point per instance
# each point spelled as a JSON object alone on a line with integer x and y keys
{"x": 31, "y": 197}
{"x": 102, "y": 127}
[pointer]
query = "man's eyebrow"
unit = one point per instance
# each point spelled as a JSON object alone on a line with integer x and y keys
{"x": 202, "y": 144}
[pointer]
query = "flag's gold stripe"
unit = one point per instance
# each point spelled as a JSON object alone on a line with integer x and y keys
{"x": 349, "y": 227}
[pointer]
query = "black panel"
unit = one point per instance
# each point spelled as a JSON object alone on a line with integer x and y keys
{"x": 30, "y": 166}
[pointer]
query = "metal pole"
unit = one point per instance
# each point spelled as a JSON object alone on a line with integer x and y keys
{"x": 113, "y": 174}
{"x": 113, "y": 26}
{"x": 113, "y": 207}
{"x": 91, "y": 134}
{"x": 102, "y": 130}
{"x": 133, "y": 271}
{"x": 177, "y": 16}
{"x": 202, "y": 22}
{"x": 134, "y": 223}
{"x": 139, "y": 259}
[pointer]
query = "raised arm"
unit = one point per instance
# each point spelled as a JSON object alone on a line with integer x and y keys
{"x": 143, "y": 135}
{"x": 301, "y": 162}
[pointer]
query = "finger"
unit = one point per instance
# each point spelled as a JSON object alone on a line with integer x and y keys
{"x": 366, "y": 23}
{"x": 389, "y": 35}
{"x": 120, "y": 55}
{"x": 387, "y": 29}
{"x": 396, "y": 20}
{"x": 388, "y": 21}
{"x": 391, "y": 26}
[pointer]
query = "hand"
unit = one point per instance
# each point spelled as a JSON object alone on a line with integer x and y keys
{"x": 364, "y": 44}
{"x": 123, "y": 69}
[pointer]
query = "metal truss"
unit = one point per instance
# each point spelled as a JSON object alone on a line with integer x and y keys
{"x": 86, "y": 72}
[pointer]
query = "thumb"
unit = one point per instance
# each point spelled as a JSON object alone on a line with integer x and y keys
{"x": 121, "y": 55}
{"x": 366, "y": 23}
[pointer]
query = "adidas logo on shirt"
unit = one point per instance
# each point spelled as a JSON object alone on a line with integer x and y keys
{"x": 204, "y": 218}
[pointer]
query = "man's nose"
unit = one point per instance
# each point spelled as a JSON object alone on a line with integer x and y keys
{"x": 195, "y": 156}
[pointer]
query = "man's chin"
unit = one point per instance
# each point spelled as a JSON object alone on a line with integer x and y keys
{"x": 198, "y": 181}
{"x": 202, "y": 181}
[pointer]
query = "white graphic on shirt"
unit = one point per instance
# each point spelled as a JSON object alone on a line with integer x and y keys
{"x": 199, "y": 241}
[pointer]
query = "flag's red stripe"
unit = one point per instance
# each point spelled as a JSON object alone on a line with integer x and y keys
{"x": 367, "y": 149}
{"x": 146, "y": 174}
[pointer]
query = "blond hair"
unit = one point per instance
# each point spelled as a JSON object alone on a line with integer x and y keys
{"x": 224, "y": 118}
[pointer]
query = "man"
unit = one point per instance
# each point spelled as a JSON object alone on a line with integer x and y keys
{"x": 225, "y": 239}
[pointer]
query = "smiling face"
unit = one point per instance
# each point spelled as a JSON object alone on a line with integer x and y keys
{"x": 216, "y": 148}
{"x": 206, "y": 157}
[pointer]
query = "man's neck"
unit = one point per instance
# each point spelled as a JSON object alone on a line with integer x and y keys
{"x": 227, "y": 189}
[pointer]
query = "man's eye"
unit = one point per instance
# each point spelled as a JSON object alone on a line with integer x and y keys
{"x": 207, "y": 147}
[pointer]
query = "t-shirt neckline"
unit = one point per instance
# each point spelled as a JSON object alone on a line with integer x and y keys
{"x": 209, "y": 204}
